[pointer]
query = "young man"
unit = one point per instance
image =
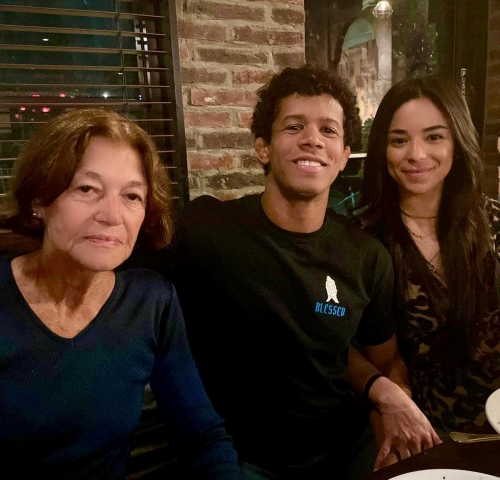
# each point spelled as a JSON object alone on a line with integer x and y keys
{"x": 275, "y": 288}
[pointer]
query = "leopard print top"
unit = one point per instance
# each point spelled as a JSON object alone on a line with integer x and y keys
{"x": 452, "y": 398}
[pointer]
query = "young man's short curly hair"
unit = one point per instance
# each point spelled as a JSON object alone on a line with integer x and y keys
{"x": 307, "y": 80}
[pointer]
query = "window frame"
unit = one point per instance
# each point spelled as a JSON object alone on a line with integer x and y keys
{"x": 158, "y": 75}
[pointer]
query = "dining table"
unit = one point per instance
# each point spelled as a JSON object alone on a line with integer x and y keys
{"x": 482, "y": 457}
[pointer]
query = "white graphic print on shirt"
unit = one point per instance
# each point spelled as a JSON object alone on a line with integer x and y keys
{"x": 331, "y": 289}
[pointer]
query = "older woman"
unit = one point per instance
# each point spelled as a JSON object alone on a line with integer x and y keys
{"x": 79, "y": 338}
{"x": 422, "y": 190}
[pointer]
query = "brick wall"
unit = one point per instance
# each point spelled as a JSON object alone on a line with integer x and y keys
{"x": 492, "y": 100}
{"x": 227, "y": 50}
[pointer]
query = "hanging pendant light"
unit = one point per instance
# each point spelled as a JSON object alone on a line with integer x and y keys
{"x": 383, "y": 9}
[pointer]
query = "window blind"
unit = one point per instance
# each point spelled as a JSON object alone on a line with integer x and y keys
{"x": 67, "y": 54}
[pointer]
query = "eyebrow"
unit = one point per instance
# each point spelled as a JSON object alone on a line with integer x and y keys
{"x": 96, "y": 176}
{"x": 427, "y": 129}
{"x": 302, "y": 117}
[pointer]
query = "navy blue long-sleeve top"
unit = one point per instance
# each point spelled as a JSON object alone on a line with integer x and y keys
{"x": 68, "y": 407}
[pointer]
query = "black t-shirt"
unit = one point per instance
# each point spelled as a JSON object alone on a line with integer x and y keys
{"x": 270, "y": 314}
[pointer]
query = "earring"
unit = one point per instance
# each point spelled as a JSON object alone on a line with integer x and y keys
{"x": 34, "y": 214}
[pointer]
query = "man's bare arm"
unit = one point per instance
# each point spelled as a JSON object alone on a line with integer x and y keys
{"x": 401, "y": 429}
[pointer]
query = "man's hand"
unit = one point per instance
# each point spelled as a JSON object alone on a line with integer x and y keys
{"x": 400, "y": 427}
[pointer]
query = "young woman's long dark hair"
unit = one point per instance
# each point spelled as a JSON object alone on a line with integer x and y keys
{"x": 463, "y": 229}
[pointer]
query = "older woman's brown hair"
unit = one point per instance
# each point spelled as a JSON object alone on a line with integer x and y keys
{"x": 48, "y": 162}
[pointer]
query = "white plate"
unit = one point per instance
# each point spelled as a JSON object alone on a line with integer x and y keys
{"x": 444, "y": 474}
{"x": 493, "y": 410}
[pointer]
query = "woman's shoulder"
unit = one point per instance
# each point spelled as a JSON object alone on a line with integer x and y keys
{"x": 141, "y": 279}
{"x": 374, "y": 227}
{"x": 360, "y": 236}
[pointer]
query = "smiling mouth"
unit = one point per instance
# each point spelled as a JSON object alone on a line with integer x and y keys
{"x": 417, "y": 172}
{"x": 310, "y": 163}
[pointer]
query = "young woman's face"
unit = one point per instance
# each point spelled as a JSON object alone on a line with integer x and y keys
{"x": 95, "y": 222}
{"x": 420, "y": 148}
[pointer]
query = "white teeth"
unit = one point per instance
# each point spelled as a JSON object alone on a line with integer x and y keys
{"x": 309, "y": 163}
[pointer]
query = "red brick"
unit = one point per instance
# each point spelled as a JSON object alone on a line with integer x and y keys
{"x": 179, "y": 7}
{"x": 190, "y": 139}
{"x": 228, "y": 196}
{"x": 230, "y": 55}
{"x": 204, "y": 75}
{"x": 227, "y": 139}
{"x": 287, "y": 16}
{"x": 202, "y": 161}
{"x": 193, "y": 194}
{"x": 220, "y": 11}
{"x": 252, "y": 76}
{"x": 267, "y": 36}
{"x": 207, "y": 119}
{"x": 203, "y": 31}
{"x": 235, "y": 181}
{"x": 184, "y": 53}
{"x": 233, "y": 97}
{"x": 245, "y": 119}
{"x": 237, "y": 62}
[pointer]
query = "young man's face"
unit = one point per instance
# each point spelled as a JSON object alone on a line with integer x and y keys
{"x": 307, "y": 149}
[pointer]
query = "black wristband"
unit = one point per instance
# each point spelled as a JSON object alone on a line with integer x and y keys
{"x": 369, "y": 384}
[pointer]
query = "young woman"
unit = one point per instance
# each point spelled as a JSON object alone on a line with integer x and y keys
{"x": 422, "y": 197}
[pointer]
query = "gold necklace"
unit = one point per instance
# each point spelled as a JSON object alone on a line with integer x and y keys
{"x": 430, "y": 265}
{"x": 419, "y": 235}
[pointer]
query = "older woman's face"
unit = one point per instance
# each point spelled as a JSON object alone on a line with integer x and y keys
{"x": 95, "y": 222}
